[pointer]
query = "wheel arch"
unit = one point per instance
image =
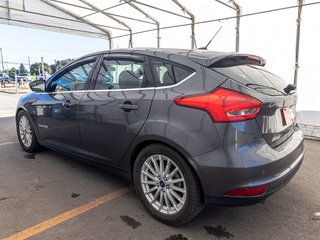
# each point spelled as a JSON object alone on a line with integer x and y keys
{"x": 138, "y": 147}
{"x": 21, "y": 108}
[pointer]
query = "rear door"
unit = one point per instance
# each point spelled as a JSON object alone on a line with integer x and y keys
{"x": 114, "y": 111}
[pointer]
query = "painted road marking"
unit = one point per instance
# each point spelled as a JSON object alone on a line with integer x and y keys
{"x": 7, "y": 143}
{"x": 67, "y": 215}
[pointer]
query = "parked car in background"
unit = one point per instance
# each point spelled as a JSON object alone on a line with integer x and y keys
{"x": 12, "y": 77}
{"x": 43, "y": 76}
{"x": 4, "y": 78}
{"x": 189, "y": 127}
{"x": 25, "y": 77}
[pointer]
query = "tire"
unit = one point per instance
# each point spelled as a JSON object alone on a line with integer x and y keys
{"x": 177, "y": 184}
{"x": 26, "y": 134}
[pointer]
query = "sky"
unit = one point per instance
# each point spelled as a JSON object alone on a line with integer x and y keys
{"x": 271, "y": 36}
{"x": 19, "y": 43}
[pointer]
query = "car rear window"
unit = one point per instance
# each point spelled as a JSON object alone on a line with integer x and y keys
{"x": 169, "y": 74}
{"x": 255, "y": 78}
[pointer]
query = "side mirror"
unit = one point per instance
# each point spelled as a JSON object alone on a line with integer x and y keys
{"x": 38, "y": 85}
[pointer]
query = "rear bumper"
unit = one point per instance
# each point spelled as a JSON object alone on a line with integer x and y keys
{"x": 275, "y": 184}
{"x": 245, "y": 160}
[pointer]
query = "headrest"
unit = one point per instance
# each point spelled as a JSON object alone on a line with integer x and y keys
{"x": 128, "y": 79}
{"x": 167, "y": 79}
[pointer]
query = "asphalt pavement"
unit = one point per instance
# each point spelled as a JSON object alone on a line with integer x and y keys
{"x": 50, "y": 196}
{"x": 8, "y": 103}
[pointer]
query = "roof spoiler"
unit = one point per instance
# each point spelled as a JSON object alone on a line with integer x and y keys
{"x": 232, "y": 60}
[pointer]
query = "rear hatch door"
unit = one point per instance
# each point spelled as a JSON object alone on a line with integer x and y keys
{"x": 277, "y": 117}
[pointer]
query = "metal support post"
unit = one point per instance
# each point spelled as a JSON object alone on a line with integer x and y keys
{"x": 108, "y": 33}
{"x": 192, "y": 17}
{"x": 148, "y": 16}
{"x": 94, "y": 8}
{"x": 296, "y": 65}
{"x": 8, "y": 6}
{"x": 237, "y": 8}
{"x": 130, "y": 44}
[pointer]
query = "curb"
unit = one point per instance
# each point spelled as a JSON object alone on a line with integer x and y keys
{"x": 13, "y": 92}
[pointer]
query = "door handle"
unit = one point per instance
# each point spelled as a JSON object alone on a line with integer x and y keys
{"x": 127, "y": 106}
{"x": 67, "y": 104}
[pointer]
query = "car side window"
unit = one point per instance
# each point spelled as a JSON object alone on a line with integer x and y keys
{"x": 121, "y": 74}
{"x": 73, "y": 80}
{"x": 169, "y": 74}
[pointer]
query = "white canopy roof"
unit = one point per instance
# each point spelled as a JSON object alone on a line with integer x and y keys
{"x": 106, "y": 19}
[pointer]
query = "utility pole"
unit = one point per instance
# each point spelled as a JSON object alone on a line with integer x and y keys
{"x": 42, "y": 67}
{"x": 29, "y": 63}
{"x": 2, "y": 60}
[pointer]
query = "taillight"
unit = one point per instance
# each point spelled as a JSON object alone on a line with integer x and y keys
{"x": 224, "y": 105}
{"x": 248, "y": 192}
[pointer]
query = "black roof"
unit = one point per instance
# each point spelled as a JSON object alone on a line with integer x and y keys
{"x": 152, "y": 51}
{"x": 144, "y": 51}
{"x": 204, "y": 57}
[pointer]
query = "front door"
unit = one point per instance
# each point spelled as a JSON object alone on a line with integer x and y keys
{"x": 56, "y": 109}
{"x": 113, "y": 112}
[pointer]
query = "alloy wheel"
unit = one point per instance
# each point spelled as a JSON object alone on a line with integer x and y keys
{"x": 163, "y": 184}
{"x": 25, "y": 131}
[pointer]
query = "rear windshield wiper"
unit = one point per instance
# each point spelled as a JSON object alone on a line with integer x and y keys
{"x": 289, "y": 88}
{"x": 259, "y": 86}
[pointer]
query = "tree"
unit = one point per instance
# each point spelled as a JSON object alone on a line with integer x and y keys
{"x": 66, "y": 61}
{"x": 47, "y": 68}
{"x": 36, "y": 68}
{"x": 55, "y": 67}
{"x": 13, "y": 71}
{"x": 22, "y": 69}
{"x": 60, "y": 64}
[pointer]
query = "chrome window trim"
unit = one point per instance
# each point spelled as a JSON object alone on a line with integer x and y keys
{"x": 129, "y": 89}
{"x": 177, "y": 84}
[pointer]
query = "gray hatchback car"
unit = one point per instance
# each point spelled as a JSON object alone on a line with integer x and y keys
{"x": 189, "y": 127}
